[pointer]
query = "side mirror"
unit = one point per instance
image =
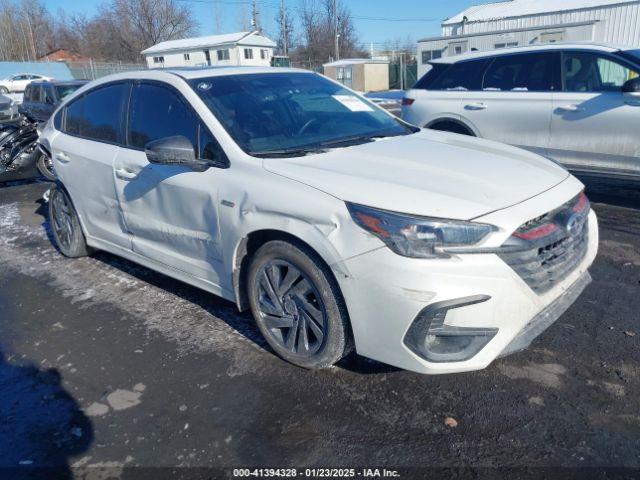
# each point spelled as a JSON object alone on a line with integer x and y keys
{"x": 176, "y": 150}
{"x": 631, "y": 88}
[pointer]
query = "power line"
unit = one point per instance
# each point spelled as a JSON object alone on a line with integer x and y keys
{"x": 298, "y": 9}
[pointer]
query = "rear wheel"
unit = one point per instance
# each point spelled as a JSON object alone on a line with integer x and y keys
{"x": 65, "y": 225}
{"x": 45, "y": 166}
{"x": 297, "y": 305}
{"x": 4, "y": 90}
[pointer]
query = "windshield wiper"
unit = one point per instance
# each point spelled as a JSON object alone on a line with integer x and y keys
{"x": 287, "y": 152}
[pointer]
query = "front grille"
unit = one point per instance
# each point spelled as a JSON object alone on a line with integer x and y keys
{"x": 544, "y": 251}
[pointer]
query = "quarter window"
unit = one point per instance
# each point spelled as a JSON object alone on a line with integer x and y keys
{"x": 591, "y": 72}
{"x": 530, "y": 72}
{"x": 97, "y": 115}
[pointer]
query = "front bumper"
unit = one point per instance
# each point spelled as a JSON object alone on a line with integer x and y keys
{"x": 385, "y": 293}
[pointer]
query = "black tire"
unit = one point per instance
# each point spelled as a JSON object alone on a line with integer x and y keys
{"x": 452, "y": 127}
{"x": 65, "y": 225}
{"x": 294, "y": 314}
{"x": 45, "y": 167}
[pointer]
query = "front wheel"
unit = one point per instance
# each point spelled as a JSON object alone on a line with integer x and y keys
{"x": 297, "y": 305}
{"x": 4, "y": 90}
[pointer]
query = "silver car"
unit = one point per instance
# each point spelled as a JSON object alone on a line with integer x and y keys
{"x": 578, "y": 104}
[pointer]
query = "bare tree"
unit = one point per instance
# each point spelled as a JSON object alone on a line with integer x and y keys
{"x": 285, "y": 29}
{"x": 318, "y": 20}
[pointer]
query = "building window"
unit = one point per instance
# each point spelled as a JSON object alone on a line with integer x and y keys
{"x": 158, "y": 59}
{"x": 428, "y": 55}
{"x": 223, "y": 54}
{"x": 505, "y": 45}
{"x": 344, "y": 76}
{"x": 187, "y": 56}
{"x": 248, "y": 53}
{"x": 264, "y": 54}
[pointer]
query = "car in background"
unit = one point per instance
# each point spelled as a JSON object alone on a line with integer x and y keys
{"x": 8, "y": 110}
{"x": 334, "y": 222}
{"x": 17, "y": 83}
{"x": 578, "y": 104}
{"x": 41, "y": 98}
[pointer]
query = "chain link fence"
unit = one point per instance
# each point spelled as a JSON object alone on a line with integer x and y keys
{"x": 91, "y": 70}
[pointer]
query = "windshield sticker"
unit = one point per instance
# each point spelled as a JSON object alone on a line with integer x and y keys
{"x": 353, "y": 103}
{"x": 204, "y": 86}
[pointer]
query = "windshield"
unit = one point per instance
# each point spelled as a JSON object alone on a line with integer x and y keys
{"x": 279, "y": 113}
{"x": 65, "y": 90}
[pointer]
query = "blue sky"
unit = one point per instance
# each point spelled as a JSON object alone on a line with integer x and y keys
{"x": 426, "y": 15}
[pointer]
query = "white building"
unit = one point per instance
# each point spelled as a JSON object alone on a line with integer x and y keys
{"x": 242, "y": 48}
{"x": 524, "y": 22}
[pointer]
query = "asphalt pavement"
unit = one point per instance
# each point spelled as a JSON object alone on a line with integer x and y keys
{"x": 107, "y": 367}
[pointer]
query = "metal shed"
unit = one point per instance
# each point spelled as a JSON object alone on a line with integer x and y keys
{"x": 524, "y": 22}
{"x": 362, "y": 74}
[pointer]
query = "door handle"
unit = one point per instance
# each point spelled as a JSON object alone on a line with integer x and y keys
{"x": 125, "y": 174}
{"x": 63, "y": 157}
{"x": 476, "y": 106}
{"x": 570, "y": 108}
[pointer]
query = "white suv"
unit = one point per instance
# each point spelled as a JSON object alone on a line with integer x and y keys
{"x": 578, "y": 104}
{"x": 334, "y": 222}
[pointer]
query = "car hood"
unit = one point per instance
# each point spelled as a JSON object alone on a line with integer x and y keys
{"x": 429, "y": 173}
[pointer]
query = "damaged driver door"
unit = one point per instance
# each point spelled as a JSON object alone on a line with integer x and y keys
{"x": 170, "y": 210}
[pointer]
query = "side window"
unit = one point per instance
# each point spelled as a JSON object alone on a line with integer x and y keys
{"x": 465, "y": 75}
{"x": 98, "y": 114}
{"x": 26, "y": 96}
{"x": 158, "y": 112}
{"x": 594, "y": 73}
{"x": 531, "y": 72}
{"x": 36, "y": 93}
{"x": 431, "y": 76}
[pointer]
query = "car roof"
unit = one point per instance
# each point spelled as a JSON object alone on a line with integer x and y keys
{"x": 60, "y": 82}
{"x": 532, "y": 48}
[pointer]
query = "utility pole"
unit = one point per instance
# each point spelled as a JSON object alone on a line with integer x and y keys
{"x": 337, "y": 33}
{"x": 254, "y": 17}
{"x": 285, "y": 33}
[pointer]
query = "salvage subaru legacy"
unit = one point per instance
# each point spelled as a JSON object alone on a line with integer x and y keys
{"x": 335, "y": 223}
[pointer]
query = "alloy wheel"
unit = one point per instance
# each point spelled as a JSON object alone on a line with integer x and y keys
{"x": 62, "y": 219}
{"x": 290, "y": 308}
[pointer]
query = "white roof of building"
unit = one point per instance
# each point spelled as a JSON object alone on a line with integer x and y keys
{"x": 519, "y": 8}
{"x": 239, "y": 38}
{"x": 353, "y": 61}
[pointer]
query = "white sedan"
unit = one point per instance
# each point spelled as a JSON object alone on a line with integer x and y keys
{"x": 337, "y": 224}
{"x": 17, "y": 83}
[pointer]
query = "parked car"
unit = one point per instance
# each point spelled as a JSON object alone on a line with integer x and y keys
{"x": 336, "y": 223}
{"x": 8, "y": 110}
{"x": 576, "y": 103}
{"x": 41, "y": 98}
{"x": 17, "y": 83}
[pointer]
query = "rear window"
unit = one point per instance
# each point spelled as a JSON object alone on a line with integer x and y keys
{"x": 466, "y": 75}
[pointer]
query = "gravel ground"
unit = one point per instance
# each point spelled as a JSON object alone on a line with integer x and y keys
{"x": 106, "y": 366}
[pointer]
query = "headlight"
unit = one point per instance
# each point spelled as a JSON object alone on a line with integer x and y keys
{"x": 418, "y": 237}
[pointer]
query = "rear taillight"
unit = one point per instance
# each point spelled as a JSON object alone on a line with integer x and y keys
{"x": 407, "y": 102}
